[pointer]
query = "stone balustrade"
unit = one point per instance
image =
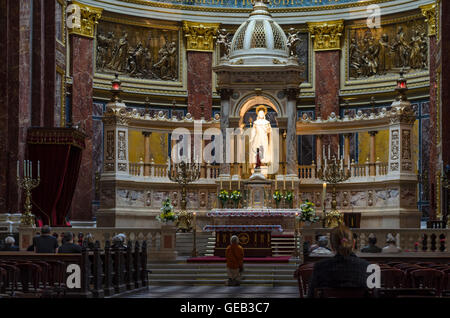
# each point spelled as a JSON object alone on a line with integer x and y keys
{"x": 420, "y": 240}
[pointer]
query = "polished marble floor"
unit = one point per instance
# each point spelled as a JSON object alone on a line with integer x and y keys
{"x": 216, "y": 292}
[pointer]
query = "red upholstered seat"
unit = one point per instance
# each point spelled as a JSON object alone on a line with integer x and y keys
{"x": 303, "y": 275}
{"x": 427, "y": 278}
{"x": 392, "y": 278}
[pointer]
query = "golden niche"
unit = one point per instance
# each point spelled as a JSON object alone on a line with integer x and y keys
{"x": 139, "y": 52}
{"x": 380, "y": 51}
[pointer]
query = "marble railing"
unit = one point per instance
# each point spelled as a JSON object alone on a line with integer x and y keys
{"x": 306, "y": 173}
{"x": 411, "y": 240}
{"x": 158, "y": 172}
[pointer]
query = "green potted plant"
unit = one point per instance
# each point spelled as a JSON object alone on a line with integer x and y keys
{"x": 277, "y": 196}
{"x": 289, "y": 198}
{"x": 167, "y": 216}
{"x": 223, "y": 197}
{"x": 236, "y": 196}
{"x": 307, "y": 213}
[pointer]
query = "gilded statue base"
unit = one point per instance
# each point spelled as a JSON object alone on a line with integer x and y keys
{"x": 333, "y": 218}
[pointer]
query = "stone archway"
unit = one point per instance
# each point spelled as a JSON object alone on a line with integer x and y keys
{"x": 250, "y": 101}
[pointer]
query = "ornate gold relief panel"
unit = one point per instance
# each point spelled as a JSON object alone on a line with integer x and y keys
{"x": 378, "y": 52}
{"x": 138, "y": 52}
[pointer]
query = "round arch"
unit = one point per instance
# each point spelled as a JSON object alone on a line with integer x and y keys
{"x": 250, "y": 101}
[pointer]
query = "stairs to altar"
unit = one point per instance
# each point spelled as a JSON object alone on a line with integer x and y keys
{"x": 282, "y": 245}
{"x": 194, "y": 274}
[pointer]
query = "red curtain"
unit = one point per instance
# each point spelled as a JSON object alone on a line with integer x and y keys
{"x": 59, "y": 152}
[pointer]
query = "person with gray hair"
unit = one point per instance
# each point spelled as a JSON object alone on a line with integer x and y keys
{"x": 323, "y": 247}
{"x": 234, "y": 255}
{"x": 391, "y": 246}
{"x": 371, "y": 247}
{"x": 9, "y": 245}
{"x": 119, "y": 240}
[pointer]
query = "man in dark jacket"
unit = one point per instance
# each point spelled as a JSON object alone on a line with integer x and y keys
{"x": 372, "y": 247}
{"x": 68, "y": 246}
{"x": 45, "y": 243}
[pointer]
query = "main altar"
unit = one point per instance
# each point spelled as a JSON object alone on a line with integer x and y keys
{"x": 258, "y": 80}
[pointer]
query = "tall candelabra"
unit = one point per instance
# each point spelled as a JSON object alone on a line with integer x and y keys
{"x": 184, "y": 173}
{"x": 333, "y": 172}
{"x": 27, "y": 183}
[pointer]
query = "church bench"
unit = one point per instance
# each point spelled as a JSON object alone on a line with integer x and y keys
{"x": 103, "y": 272}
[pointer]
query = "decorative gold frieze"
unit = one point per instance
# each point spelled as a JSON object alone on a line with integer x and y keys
{"x": 429, "y": 12}
{"x": 84, "y": 19}
{"x": 326, "y": 35}
{"x": 200, "y": 36}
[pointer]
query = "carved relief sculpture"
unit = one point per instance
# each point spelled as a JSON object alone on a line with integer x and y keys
{"x": 292, "y": 42}
{"x": 377, "y": 52}
{"x": 224, "y": 39}
{"x": 395, "y": 145}
{"x": 145, "y": 53}
{"x": 122, "y": 146}
{"x": 406, "y": 150}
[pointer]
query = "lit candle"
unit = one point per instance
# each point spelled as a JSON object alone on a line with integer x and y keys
{"x": 292, "y": 185}
{"x": 221, "y": 184}
{"x": 324, "y": 193}
{"x": 239, "y": 183}
{"x": 284, "y": 183}
{"x": 323, "y": 156}
{"x": 329, "y": 151}
{"x": 230, "y": 184}
{"x": 348, "y": 162}
{"x": 17, "y": 168}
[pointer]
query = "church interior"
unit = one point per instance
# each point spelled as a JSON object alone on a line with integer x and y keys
{"x": 152, "y": 135}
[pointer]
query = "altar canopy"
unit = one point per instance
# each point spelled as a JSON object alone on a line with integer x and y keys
{"x": 59, "y": 152}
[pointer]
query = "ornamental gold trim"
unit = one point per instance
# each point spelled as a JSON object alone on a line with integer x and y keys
{"x": 326, "y": 35}
{"x": 89, "y": 17}
{"x": 429, "y": 12}
{"x": 200, "y": 36}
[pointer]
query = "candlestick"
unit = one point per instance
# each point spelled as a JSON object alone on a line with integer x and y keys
{"x": 329, "y": 152}
{"x": 284, "y": 183}
{"x": 292, "y": 184}
{"x": 276, "y": 183}
{"x": 323, "y": 149}
{"x": 324, "y": 193}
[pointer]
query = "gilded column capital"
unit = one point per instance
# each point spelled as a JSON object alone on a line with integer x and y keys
{"x": 429, "y": 12}
{"x": 84, "y": 19}
{"x": 200, "y": 36}
{"x": 326, "y": 35}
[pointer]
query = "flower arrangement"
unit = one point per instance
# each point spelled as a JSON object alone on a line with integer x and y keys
{"x": 167, "y": 214}
{"x": 308, "y": 212}
{"x": 288, "y": 196}
{"x": 235, "y": 195}
{"x": 277, "y": 196}
{"x": 223, "y": 197}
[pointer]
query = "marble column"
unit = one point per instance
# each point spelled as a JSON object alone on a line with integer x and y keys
{"x": 15, "y": 96}
{"x": 327, "y": 46}
{"x": 147, "y": 159}
{"x": 225, "y": 95}
{"x": 200, "y": 48}
{"x": 429, "y": 11}
{"x": 291, "y": 134}
{"x": 347, "y": 149}
{"x": 319, "y": 147}
{"x": 81, "y": 69}
{"x": 372, "y": 152}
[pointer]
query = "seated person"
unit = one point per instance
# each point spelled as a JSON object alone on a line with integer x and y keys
{"x": 316, "y": 245}
{"x": 68, "y": 246}
{"x": 372, "y": 247}
{"x": 344, "y": 270}
{"x": 9, "y": 245}
{"x": 45, "y": 243}
{"x": 322, "y": 249}
{"x": 119, "y": 241}
{"x": 391, "y": 246}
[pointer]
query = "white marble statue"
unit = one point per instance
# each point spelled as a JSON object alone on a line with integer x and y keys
{"x": 260, "y": 137}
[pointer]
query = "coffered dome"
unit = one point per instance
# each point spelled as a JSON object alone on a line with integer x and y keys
{"x": 259, "y": 37}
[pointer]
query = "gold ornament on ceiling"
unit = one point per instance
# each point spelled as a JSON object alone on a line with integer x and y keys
{"x": 88, "y": 19}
